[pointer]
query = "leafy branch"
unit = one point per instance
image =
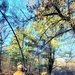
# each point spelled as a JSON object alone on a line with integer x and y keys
{"x": 56, "y": 36}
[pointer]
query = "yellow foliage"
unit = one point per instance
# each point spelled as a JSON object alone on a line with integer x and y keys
{"x": 55, "y": 43}
{"x": 72, "y": 5}
{"x": 43, "y": 73}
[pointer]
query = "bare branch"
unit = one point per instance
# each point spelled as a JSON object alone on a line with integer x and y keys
{"x": 50, "y": 14}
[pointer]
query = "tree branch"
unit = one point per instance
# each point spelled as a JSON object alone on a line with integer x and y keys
{"x": 68, "y": 8}
{"x": 56, "y": 36}
{"x": 49, "y": 26}
{"x": 66, "y": 18}
{"x": 14, "y": 35}
{"x": 50, "y": 14}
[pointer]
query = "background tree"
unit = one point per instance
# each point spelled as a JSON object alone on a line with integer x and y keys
{"x": 55, "y": 9}
{"x": 4, "y": 33}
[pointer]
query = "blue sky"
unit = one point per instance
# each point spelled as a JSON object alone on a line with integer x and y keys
{"x": 15, "y": 6}
{"x": 12, "y": 6}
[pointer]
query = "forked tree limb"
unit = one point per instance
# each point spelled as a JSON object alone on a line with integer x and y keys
{"x": 66, "y": 18}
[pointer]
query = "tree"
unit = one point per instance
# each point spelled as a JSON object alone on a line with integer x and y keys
{"x": 50, "y": 9}
{"x": 4, "y": 33}
{"x": 58, "y": 27}
{"x": 26, "y": 42}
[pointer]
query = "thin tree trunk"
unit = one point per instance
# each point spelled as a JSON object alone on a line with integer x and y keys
{"x": 50, "y": 60}
{"x": 0, "y": 51}
{"x": 50, "y": 65}
{"x": 15, "y": 37}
